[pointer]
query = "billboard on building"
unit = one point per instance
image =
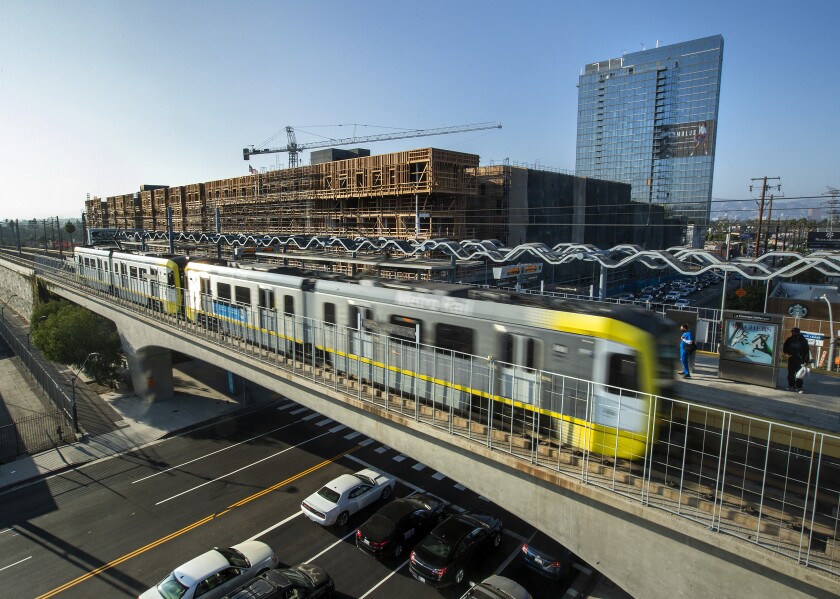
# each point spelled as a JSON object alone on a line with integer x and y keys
{"x": 823, "y": 240}
{"x": 685, "y": 140}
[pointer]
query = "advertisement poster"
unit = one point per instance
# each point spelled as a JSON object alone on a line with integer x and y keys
{"x": 751, "y": 342}
{"x": 685, "y": 140}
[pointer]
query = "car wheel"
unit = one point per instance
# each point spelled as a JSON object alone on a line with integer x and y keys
{"x": 398, "y": 550}
{"x": 459, "y": 576}
{"x": 497, "y": 540}
{"x": 342, "y": 518}
{"x": 386, "y": 493}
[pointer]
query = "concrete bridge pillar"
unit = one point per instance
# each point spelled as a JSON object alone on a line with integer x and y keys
{"x": 151, "y": 370}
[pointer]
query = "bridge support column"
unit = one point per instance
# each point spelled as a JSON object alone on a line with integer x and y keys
{"x": 151, "y": 372}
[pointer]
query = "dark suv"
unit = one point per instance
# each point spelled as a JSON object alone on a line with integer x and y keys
{"x": 443, "y": 555}
{"x": 399, "y": 523}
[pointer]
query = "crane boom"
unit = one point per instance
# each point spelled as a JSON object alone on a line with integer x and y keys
{"x": 293, "y": 147}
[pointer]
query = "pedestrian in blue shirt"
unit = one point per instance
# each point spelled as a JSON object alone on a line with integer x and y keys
{"x": 686, "y": 349}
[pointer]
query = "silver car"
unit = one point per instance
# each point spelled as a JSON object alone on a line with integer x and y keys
{"x": 213, "y": 574}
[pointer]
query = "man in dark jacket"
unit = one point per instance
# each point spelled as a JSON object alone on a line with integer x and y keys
{"x": 798, "y": 355}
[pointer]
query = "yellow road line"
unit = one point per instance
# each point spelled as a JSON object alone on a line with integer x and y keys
{"x": 190, "y": 527}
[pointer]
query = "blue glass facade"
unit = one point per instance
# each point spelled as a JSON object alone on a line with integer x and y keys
{"x": 649, "y": 119}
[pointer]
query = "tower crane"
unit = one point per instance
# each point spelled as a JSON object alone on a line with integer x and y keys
{"x": 294, "y": 148}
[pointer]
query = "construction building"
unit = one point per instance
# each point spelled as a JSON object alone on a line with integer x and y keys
{"x": 423, "y": 194}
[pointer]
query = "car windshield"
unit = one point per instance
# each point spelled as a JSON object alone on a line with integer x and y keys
{"x": 366, "y": 479}
{"x": 436, "y": 546}
{"x": 235, "y": 558}
{"x": 329, "y": 494}
{"x": 170, "y": 588}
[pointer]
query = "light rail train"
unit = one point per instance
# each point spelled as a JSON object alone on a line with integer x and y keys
{"x": 474, "y": 351}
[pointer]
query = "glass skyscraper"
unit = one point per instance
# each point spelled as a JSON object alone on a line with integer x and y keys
{"x": 649, "y": 119}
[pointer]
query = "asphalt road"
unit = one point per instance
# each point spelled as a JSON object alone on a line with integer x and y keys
{"x": 116, "y": 527}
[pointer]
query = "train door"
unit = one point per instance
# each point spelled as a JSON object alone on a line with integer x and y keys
{"x": 616, "y": 403}
{"x": 267, "y": 316}
{"x": 154, "y": 288}
{"x": 359, "y": 340}
{"x": 519, "y": 365}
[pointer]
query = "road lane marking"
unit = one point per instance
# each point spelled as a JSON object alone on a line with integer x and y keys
{"x": 310, "y": 417}
{"x": 459, "y": 486}
{"x": 418, "y": 466}
{"x": 483, "y": 498}
{"x": 286, "y": 406}
{"x": 516, "y": 551}
{"x": 324, "y": 422}
{"x": 398, "y": 458}
{"x": 298, "y": 411}
{"x": 352, "y": 435}
{"x": 215, "y": 452}
{"x": 186, "y": 529}
{"x": 366, "y": 442}
{"x": 338, "y": 428}
{"x": 381, "y": 450}
{"x": 218, "y": 478}
{"x": 438, "y": 476}
{"x": 381, "y": 582}
{"x": 16, "y": 563}
{"x": 341, "y": 540}
{"x": 278, "y": 525}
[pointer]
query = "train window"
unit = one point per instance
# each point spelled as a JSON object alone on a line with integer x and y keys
{"x": 455, "y": 338}
{"x": 223, "y": 291}
{"x": 406, "y": 328}
{"x": 329, "y": 313}
{"x": 622, "y": 372}
{"x": 132, "y": 272}
{"x": 170, "y": 278}
{"x": 289, "y": 305}
{"x": 123, "y": 270}
{"x": 243, "y": 295}
{"x": 507, "y": 348}
{"x": 532, "y": 357}
{"x": 266, "y": 298}
{"x": 204, "y": 286}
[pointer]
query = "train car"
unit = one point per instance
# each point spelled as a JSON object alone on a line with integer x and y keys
{"x": 463, "y": 349}
{"x": 262, "y": 305}
{"x": 150, "y": 280}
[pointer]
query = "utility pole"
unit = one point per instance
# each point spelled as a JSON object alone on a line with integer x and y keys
{"x": 764, "y": 189}
{"x": 833, "y": 206}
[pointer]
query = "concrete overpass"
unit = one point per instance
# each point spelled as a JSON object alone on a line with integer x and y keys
{"x": 646, "y": 551}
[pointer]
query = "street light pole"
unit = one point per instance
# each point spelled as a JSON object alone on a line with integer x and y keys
{"x": 6, "y": 303}
{"x": 830, "y": 332}
{"x": 29, "y": 331}
{"x": 74, "y": 415}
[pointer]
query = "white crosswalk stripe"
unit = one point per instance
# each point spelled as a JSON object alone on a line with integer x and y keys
{"x": 298, "y": 411}
{"x": 418, "y": 466}
{"x": 324, "y": 422}
{"x": 352, "y": 435}
{"x": 310, "y": 417}
{"x": 399, "y": 458}
{"x": 438, "y": 476}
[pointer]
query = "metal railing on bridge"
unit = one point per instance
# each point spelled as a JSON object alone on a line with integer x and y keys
{"x": 770, "y": 483}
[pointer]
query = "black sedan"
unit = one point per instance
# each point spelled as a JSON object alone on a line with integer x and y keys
{"x": 304, "y": 581}
{"x": 442, "y": 556}
{"x": 399, "y": 523}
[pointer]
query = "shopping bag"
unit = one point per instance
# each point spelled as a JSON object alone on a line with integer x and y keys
{"x": 800, "y": 374}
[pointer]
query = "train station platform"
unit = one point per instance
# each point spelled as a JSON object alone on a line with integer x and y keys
{"x": 818, "y": 407}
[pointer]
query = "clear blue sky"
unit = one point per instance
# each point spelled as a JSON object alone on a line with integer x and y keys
{"x": 102, "y": 96}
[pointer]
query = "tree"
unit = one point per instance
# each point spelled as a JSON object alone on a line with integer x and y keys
{"x": 753, "y": 301}
{"x": 70, "y": 228}
{"x": 70, "y": 333}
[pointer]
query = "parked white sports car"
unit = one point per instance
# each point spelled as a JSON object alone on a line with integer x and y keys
{"x": 339, "y": 499}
